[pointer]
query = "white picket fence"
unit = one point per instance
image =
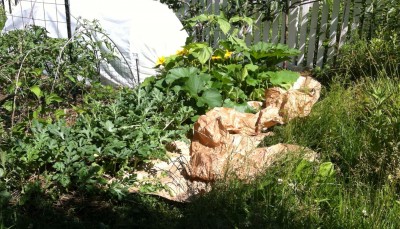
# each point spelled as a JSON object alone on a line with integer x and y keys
{"x": 317, "y": 28}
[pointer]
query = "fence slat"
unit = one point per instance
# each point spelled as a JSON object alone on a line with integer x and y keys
{"x": 345, "y": 23}
{"x": 322, "y": 34}
{"x": 305, "y": 9}
{"x": 257, "y": 32}
{"x": 333, "y": 28}
{"x": 217, "y": 34}
{"x": 293, "y": 25}
{"x": 282, "y": 29}
{"x": 356, "y": 16}
{"x": 312, "y": 34}
{"x": 275, "y": 28}
{"x": 366, "y": 19}
{"x": 266, "y": 30}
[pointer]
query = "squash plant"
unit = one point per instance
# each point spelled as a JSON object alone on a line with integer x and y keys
{"x": 229, "y": 74}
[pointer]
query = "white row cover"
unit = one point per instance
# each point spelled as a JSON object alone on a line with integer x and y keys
{"x": 143, "y": 30}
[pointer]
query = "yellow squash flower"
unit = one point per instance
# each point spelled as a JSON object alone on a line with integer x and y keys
{"x": 160, "y": 61}
{"x": 182, "y": 52}
{"x": 228, "y": 54}
{"x": 215, "y": 58}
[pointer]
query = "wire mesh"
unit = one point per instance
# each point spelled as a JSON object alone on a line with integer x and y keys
{"x": 24, "y": 11}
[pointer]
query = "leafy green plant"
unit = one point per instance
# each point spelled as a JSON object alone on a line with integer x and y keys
{"x": 109, "y": 139}
{"x": 228, "y": 75}
{"x": 38, "y": 72}
{"x": 61, "y": 134}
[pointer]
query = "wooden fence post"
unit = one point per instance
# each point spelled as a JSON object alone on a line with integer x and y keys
{"x": 312, "y": 34}
{"x": 322, "y": 34}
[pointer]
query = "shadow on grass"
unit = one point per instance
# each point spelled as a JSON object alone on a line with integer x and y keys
{"x": 78, "y": 211}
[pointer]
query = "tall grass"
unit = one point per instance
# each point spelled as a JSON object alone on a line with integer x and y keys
{"x": 355, "y": 130}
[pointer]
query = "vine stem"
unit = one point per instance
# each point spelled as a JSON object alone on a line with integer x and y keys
{"x": 17, "y": 87}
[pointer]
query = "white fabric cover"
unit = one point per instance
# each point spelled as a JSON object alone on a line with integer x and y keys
{"x": 141, "y": 29}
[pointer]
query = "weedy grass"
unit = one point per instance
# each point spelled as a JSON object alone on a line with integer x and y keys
{"x": 355, "y": 183}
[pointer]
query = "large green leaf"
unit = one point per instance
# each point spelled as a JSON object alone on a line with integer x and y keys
{"x": 326, "y": 170}
{"x": 251, "y": 67}
{"x": 233, "y": 67}
{"x": 52, "y": 98}
{"x": 240, "y": 107}
{"x": 201, "y": 18}
{"x": 224, "y": 25}
{"x": 212, "y": 98}
{"x": 263, "y": 49}
{"x": 238, "y": 42}
{"x": 251, "y": 81}
{"x": 36, "y": 90}
{"x": 194, "y": 85}
{"x": 196, "y": 45}
{"x": 204, "y": 54}
{"x": 179, "y": 73}
{"x": 248, "y": 20}
{"x": 283, "y": 77}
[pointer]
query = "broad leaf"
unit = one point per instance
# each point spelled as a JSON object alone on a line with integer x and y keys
{"x": 204, "y": 54}
{"x": 245, "y": 73}
{"x": 36, "y": 90}
{"x": 197, "y": 45}
{"x": 179, "y": 73}
{"x": 212, "y": 97}
{"x": 251, "y": 81}
{"x": 280, "y": 52}
{"x": 194, "y": 85}
{"x": 109, "y": 126}
{"x": 283, "y": 77}
{"x": 326, "y": 170}
{"x": 224, "y": 25}
{"x": 239, "y": 42}
{"x": 251, "y": 67}
{"x": 200, "y": 18}
{"x": 53, "y": 98}
{"x": 240, "y": 107}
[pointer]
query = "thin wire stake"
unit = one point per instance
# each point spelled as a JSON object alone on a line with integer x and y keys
{"x": 68, "y": 18}
{"x": 135, "y": 55}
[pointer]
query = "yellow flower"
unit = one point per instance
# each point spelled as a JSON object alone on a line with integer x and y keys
{"x": 182, "y": 52}
{"x": 160, "y": 61}
{"x": 228, "y": 54}
{"x": 215, "y": 58}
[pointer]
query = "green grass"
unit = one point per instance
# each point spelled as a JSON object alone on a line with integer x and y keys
{"x": 356, "y": 128}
